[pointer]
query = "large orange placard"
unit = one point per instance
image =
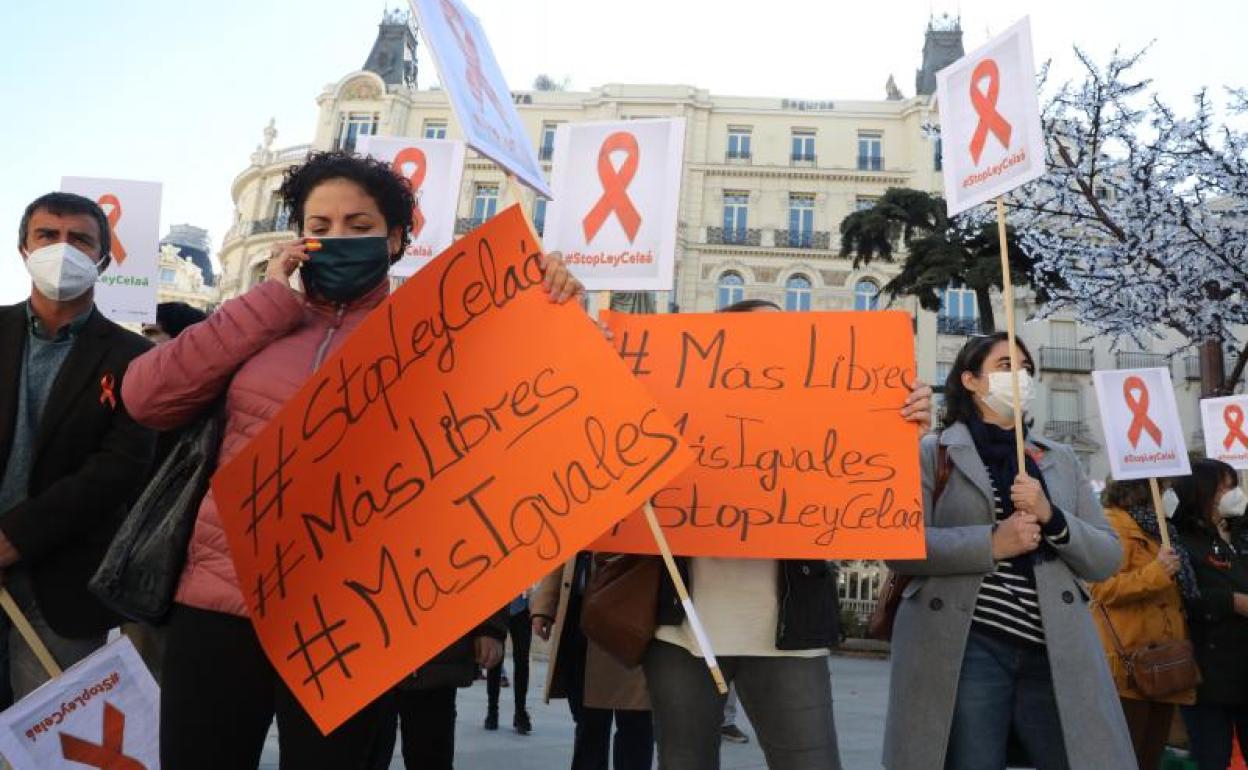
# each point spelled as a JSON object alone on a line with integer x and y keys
{"x": 469, "y": 436}
{"x": 795, "y": 423}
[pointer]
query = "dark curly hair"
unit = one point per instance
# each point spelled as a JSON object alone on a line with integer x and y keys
{"x": 392, "y": 192}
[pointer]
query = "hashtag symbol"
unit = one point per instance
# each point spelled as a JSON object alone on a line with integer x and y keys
{"x": 278, "y": 574}
{"x": 275, "y": 484}
{"x": 325, "y": 636}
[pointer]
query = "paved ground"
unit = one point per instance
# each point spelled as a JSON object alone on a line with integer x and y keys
{"x": 860, "y": 687}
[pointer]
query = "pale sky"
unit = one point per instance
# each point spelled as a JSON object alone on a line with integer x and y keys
{"x": 179, "y": 92}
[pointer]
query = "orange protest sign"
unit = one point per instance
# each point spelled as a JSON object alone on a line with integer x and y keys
{"x": 468, "y": 437}
{"x": 795, "y": 424}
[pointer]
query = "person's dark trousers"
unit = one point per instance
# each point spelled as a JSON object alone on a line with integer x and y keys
{"x": 1211, "y": 730}
{"x": 1004, "y": 685}
{"x": 787, "y": 699}
{"x": 520, "y": 629}
{"x": 1149, "y": 725}
{"x": 219, "y": 696}
{"x": 426, "y": 721}
{"x": 633, "y": 748}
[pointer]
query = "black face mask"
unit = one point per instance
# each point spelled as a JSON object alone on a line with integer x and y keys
{"x": 345, "y": 269}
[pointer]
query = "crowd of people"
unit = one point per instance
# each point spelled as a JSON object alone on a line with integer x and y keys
{"x": 1010, "y": 638}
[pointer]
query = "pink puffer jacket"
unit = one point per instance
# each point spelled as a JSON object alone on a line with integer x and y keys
{"x": 263, "y": 345}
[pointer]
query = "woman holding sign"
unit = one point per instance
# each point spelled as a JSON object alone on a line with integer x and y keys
{"x": 1143, "y": 605}
{"x": 993, "y": 633}
{"x": 1219, "y": 613}
{"x": 220, "y": 692}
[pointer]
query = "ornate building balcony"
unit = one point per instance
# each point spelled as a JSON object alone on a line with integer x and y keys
{"x": 1126, "y": 359}
{"x": 798, "y": 239}
{"x": 734, "y": 237}
{"x": 1066, "y": 359}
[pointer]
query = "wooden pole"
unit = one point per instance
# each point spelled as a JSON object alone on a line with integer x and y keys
{"x": 28, "y": 633}
{"x": 682, "y": 592}
{"x": 1159, "y": 508}
{"x": 1007, "y": 285}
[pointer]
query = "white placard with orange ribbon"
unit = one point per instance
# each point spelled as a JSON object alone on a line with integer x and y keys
{"x": 103, "y": 712}
{"x": 1225, "y": 422}
{"x": 617, "y": 192}
{"x": 477, "y": 90}
{"x": 434, "y": 167}
{"x": 126, "y": 290}
{"x": 1143, "y": 434}
{"x": 991, "y": 138}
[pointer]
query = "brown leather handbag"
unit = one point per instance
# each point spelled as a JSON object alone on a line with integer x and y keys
{"x": 880, "y": 624}
{"x": 620, "y": 610}
{"x": 1157, "y": 669}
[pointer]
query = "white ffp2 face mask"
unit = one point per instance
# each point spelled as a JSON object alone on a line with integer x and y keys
{"x": 61, "y": 272}
{"x": 1000, "y": 398}
{"x": 1232, "y": 503}
{"x": 1170, "y": 503}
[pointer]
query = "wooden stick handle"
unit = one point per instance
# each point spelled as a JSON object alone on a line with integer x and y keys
{"x": 28, "y": 633}
{"x": 682, "y": 593}
{"x": 1159, "y": 508}
{"x": 1007, "y": 286}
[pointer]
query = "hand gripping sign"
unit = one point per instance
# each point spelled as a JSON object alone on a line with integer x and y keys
{"x": 1143, "y": 435}
{"x": 617, "y": 192}
{"x": 990, "y": 127}
{"x": 467, "y": 438}
{"x": 126, "y": 291}
{"x": 477, "y": 90}
{"x": 434, "y": 168}
{"x": 104, "y": 712}
{"x": 1226, "y": 435}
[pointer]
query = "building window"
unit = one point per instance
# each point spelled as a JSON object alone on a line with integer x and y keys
{"x": 801, "y": 220}
{"x": 168, "y": 275}
{"x": 435, "y": 129}
{"x": 731, "y": 289}
{"x": 803, "y": 144}
{"x": 546, "y": 150}
{"x": 866, "y": 295}
{"x": 797, "y": 293}
{"x": 736, "y": 212}
{"x": 959, "y": 314}
{"x": 353, "y": 125}
{"x": 942, "y": 374}
{"x": 1064, "y": 334}
{"x": 870, "y": 151}
{"x": 738, "y": 143}
{"x": 937, "y": 160}
{"x": 1064, "y": 406}
{"x": 484, "y": 203}
{"x": 539, "y": 215}
{"x": 865, "y": 203}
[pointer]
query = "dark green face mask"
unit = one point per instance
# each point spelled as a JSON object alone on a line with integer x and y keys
{"x": 345, "y": 269}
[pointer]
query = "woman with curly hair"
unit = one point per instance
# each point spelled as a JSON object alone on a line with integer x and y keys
{"x": 220, "y": 693}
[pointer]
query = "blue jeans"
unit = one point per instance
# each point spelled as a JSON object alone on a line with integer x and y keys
{"x": 1004, "y": 686}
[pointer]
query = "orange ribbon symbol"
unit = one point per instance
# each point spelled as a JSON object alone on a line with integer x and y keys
{"x": 985, "y": 104}
{"x": 1136, "y": 394}
{"x": 105, "y": 755}
{"x": 615, "y": 187}
{"x": 416, "y": 157}
{"x": 114, "y": 216}
{"x": 1233, "y": 416}
{"x": 106, "y": 391}
{"x": 477, "y": 82}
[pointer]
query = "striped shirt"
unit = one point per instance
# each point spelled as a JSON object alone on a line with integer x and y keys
{"x": 1007, "y": 605}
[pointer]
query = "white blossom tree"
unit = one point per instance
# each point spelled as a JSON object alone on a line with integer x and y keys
{"x": 1140, "y": 223}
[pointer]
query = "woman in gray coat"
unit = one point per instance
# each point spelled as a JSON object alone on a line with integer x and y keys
{"x": 993, "y": 634}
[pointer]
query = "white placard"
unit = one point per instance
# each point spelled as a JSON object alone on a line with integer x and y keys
{"x": 103, "y": 712}
{"x": 1225, "y": 423}
{"x": 478, "y": 93}
{"x": 1143, "y": 434}
{"x": 991, "y": 138}
{"x": 435, "y": 168}
{"x": 126, "y": 291}
{"x": 617, "y": 193}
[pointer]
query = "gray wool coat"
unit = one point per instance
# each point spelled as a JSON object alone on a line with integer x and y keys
{"x": 934, "y": 619}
